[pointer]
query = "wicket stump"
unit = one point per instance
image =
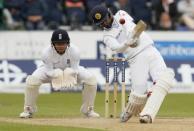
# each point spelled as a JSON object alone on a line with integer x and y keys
{"x": 115, "y": 85}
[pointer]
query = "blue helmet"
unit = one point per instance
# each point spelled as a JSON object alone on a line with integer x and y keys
{"x": 99, "y": 14}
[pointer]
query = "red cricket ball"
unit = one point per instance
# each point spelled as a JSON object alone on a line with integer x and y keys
{"x": 122, "y": 21}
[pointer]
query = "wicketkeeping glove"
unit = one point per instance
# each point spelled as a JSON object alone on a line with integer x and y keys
{"x": 68, "y": 79}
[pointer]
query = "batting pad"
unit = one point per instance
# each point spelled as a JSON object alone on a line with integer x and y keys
{"x": 67, "y": 79}
{"x": 160, "y": 89}
{"x": 88, "y": 97}
{"x": 135, "y": 104}
{"x": 31, "y": 91}
{"x": 31, "y": 95}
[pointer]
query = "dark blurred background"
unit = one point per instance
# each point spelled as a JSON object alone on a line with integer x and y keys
{"x": 73, "y": 14}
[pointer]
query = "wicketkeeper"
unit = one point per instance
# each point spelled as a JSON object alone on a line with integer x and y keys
{"x": 61, "y": 67}
{"x": 122, "y": 35}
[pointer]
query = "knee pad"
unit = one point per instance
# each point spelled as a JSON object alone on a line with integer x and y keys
{"x": 32, "y": 82}
{"x": 91, "y": 81}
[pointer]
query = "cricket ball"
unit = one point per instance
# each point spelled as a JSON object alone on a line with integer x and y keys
{"x": 122, "y": 21}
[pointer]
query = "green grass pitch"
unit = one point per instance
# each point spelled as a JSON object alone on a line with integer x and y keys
{"x": 60, "y": 105}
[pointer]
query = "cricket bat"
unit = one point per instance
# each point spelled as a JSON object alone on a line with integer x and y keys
{"x": 139, "y": 28}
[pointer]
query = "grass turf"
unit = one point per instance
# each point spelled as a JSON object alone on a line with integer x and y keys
{"x": 68, "y": 104}
{"x": 60, "y": 105}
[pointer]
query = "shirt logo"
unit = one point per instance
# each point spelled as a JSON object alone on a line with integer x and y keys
{"x": 118, "y": 35}
{"x": 68, "y": 62}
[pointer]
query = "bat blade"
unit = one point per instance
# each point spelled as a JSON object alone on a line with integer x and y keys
{"x": 139, "y": 28}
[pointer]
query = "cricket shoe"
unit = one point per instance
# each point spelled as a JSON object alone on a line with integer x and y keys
{"x": 145, "y": 119}
{"x": 28, "y": 112}
{"x": 90, "y": 113}
{"x": 125, "y": 116}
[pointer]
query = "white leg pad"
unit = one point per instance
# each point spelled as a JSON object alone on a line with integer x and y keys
{"x": 31, "y": 92}
{"x": 88, "y": 94}
{"x": 160, "y": 89}
{"x": 134, "y": 106}
{"x": 136, "y": 103}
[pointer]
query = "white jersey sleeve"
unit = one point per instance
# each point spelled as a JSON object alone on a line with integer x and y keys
{"x": 46, "y": 58}
{"x": 129, "y": 23}
{"x": 126, "y": 29}
{"x": 118, "y": 36}
{"x": 114, "y": 45}
{"x": 75, "y": 57}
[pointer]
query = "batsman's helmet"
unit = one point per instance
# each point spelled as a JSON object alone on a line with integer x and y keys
{"x": 99, "y": 14}
{"x": 60, "y": 36}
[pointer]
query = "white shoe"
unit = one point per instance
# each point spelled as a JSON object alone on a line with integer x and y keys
{"x": 125, "y": 116}
{"x": 92, "y": 114}
{"x": 28, "y": 112}
{"x": 145, "y": 119}
{"x": 25, "y": 115}
{"x": 89, "y": 112}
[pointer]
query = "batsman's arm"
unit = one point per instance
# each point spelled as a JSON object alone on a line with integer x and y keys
{"x": 132, "y": 40}
{"x": 134, "y": 33}
{"x": 113, "y": 44}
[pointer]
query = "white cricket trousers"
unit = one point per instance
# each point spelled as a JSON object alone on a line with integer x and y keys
{"x": 148, "y": 62}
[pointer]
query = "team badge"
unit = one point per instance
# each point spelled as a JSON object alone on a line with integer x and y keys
{"x": 60, "y": 36}
{"x": 98, "y": 16}
{"x": 68, "y": 62}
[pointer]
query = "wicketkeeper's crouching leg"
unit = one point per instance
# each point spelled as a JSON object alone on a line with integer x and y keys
{"x": 88, "y": 96}
{"x": 31, "y": 94}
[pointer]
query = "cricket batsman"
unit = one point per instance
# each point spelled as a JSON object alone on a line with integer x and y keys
{"x": 61, "y": 63}
{"x": 122, "y": 35}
